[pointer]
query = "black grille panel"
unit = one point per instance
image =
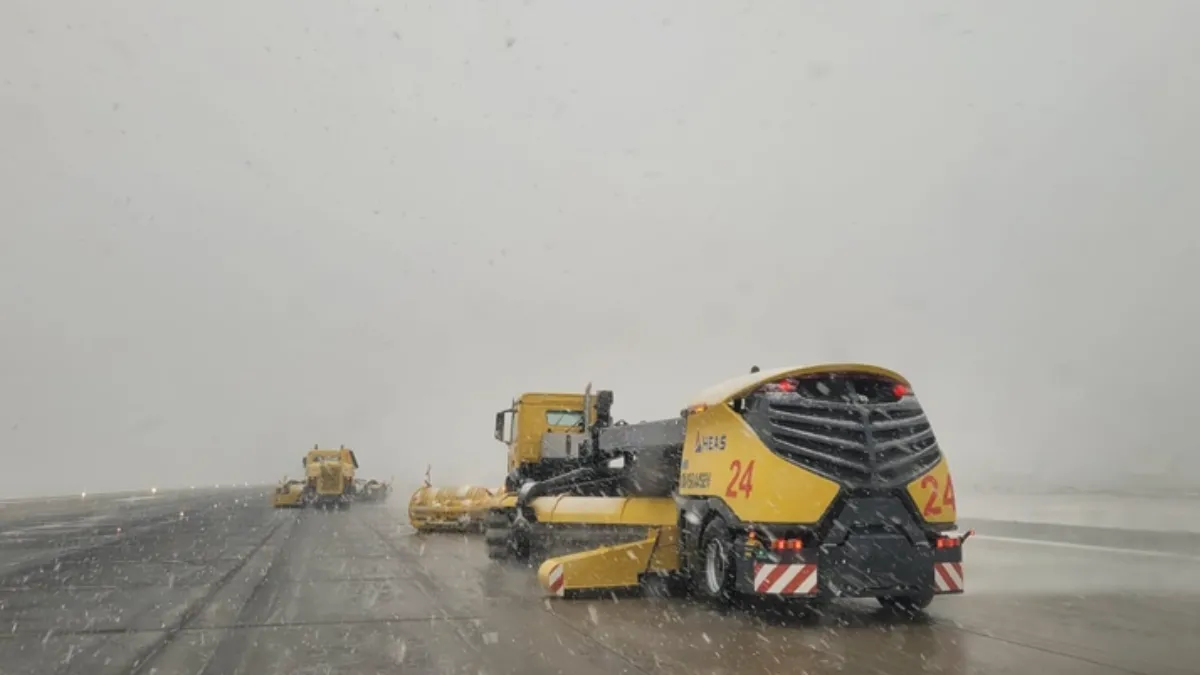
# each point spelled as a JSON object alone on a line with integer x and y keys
{"x": 859, "y": 444}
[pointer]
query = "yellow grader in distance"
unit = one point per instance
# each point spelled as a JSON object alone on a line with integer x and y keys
{"x": 806, "y": 483}
{"x": 329, "y": 477}
{"x": 288, "y": 495}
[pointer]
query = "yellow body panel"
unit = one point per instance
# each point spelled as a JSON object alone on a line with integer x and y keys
{"x": 666, "y": 550}
{"x": 724, "y": 458}
{"x": 564, "y": 509}
{"x": 330, "y": 479}
{"x": 743, "y": 384}
{"x": 933, "y": 494}
{"x": 619, "y": 566}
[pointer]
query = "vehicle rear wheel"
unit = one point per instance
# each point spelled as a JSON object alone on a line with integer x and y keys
{"x": 713, "y": 565}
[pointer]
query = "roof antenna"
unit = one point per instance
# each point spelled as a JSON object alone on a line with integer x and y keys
{"x": 753, "y": 369}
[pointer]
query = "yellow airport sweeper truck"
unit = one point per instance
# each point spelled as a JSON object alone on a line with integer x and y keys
{"x": 811, "y": 482}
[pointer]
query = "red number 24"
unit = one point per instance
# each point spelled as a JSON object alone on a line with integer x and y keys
{"x": 932, "y": 508}
{"x": 746, "y": 484}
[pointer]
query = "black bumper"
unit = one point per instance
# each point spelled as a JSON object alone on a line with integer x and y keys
{"x": 872, "y": 546}
{"x": 864, "y": 566}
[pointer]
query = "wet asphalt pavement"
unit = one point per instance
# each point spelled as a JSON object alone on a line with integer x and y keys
{"x": 216, "y": 582}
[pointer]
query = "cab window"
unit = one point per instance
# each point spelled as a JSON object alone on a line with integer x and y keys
{"x": 564, "y": 418}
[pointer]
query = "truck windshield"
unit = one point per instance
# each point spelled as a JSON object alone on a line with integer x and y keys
{"x": 564, "y": 418}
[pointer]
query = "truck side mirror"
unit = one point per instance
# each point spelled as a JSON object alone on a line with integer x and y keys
{"x": 500, "y": 425}
{"x": 304, "y": 462}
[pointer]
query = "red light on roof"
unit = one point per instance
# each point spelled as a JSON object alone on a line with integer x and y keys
{"x": 901, "y": 390}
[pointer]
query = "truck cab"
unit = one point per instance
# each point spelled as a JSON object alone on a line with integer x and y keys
{"x": 544, "y": 433}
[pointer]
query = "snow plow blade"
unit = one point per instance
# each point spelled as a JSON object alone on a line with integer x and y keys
{"x": 459, "y": 509}
{"x": 611, "y": 567}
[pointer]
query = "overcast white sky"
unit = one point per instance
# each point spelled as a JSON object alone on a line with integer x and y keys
{"x": 234, "y": 229}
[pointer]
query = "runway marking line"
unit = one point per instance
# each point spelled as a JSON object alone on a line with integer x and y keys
{"x": 1087, "y": 547}
{"x": 115, "y": 630}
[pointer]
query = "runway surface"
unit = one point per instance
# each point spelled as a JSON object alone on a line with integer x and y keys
{"x": 215, "y": 582}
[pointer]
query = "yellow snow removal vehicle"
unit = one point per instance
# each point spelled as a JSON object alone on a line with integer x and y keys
{"x": 330, "y": 477}
{"x": 459, "y": 509}
{"x": 808, "y": 483}
{"x": 289, "y": 494}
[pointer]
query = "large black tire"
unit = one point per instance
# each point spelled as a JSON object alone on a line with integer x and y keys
{"x": 497, "y": 533}
{"x": 712, "y": 564}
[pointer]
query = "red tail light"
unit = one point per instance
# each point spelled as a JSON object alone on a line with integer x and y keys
{"x": 785, "y": 544}
{"x": 901, "y": 390}
{"x": 952, "y": 542}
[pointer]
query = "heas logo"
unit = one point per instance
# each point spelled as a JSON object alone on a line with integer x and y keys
{"x": 713, "y": 443}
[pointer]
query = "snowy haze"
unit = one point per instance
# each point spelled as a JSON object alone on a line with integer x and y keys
{"x": 233, "y": 229}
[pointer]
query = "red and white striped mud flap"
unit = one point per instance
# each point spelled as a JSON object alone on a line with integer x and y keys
{"x": 948, "y": 578}
{"x": 779, "y": 579}
{"x": 557, "y": 584}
